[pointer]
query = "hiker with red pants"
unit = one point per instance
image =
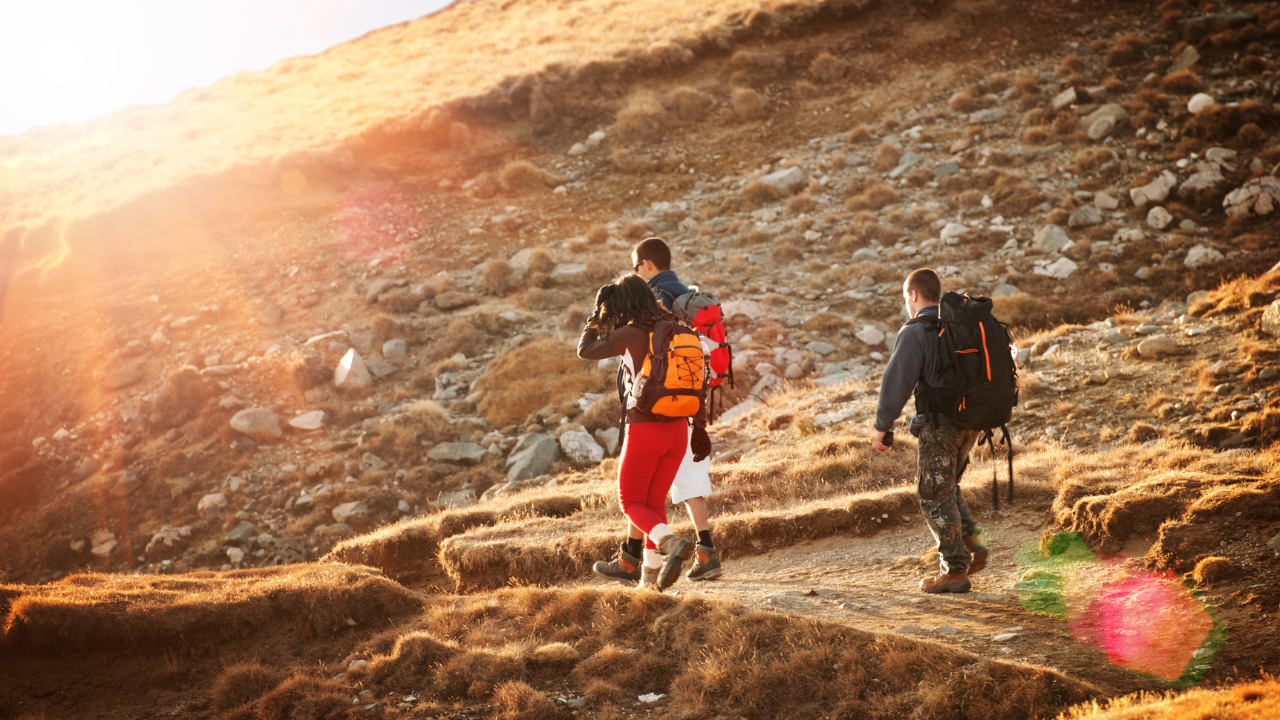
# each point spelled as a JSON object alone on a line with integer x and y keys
{"x": 653, "y": 446}
{"x": 944, "y": 446}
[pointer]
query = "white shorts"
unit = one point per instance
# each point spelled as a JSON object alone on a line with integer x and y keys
{"x": 693, "y": 479}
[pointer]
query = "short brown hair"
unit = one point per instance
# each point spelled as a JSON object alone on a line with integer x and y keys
{"x": 654, "y": 250}
{"x": 926, "y": 282}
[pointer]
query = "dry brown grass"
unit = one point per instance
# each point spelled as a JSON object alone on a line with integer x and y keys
{"x": 1176, "y": 491}
{"x": 688, "y": 103}
{"x": 522, "y": 176}
{"x": 242, "y": 684}
{"x": 861, "y": 133}
{"x": 406, "y": 551}
{"x": 520, "y": 381}
{"x": 826, "y": 68}
{"x": 759, "y": 193}
{"x": 711, "y": 658}
{"x": 496, "y": 276}
{"x": 803, "y": 203}
{"x": 1128, "y": 50}
{"x": 887, "y": 156}
{"x": 874, "y": 197}
{"x": 1246, "y": 701}
{"x": 630, "y": 163}
{"x": 92, "y": 613}
{"x": 1186, "y": 82}
{"x": 642, "y": 116}
{"x": 1246, "y": 296}
{"x": 747, "y": 104}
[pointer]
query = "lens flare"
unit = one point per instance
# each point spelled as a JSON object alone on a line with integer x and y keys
{"x": 1145, "y": 622}
{"x": 377, "y": 224}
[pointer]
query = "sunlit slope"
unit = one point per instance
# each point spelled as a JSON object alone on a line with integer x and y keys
{"x": 397, "y": 73}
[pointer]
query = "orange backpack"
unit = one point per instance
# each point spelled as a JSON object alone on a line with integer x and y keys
{"x": 672, "y": 383}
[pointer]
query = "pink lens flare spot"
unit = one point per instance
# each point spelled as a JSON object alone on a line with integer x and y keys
{"x": 377, "y": 223}
{"x": 1148, "y": 623}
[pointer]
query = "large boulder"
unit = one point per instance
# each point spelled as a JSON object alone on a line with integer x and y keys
{"x": 531, "y": 456}
{"x": 259, "y": 424}
{"x": 581, "y": 447}
{"x": 785, "y": 181}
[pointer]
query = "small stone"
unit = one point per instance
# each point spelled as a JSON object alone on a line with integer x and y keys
{"x": 243, "y": 533}
{"x": 1159, "y": 218}
{"x": 1050, "y": 239}
{"x": 123, "y": 483}
{"x": 580, "y": 447}
{"x": 308, "y": 421}
{"x": 1271, "y": 319}
{"x": 1155, "y": 191}
{"x": 1199, "y": 103}
{"x": 794, "y": 371}
{"x": 380, "y": 368}
{"x": 986, "y": 117}
{"x": 395, "y": 349}
{"x": 1005, "y": 290}
{"x": 1104, "y": 201}
{"x": 123, "y": 376}
{"x": 355, "y": 514}
{"x": 1086, "y": 216}
{"x": 907, "y": 162}
{"x": 453, "y": 299}
{"x": 820, "y": 348}
{"x": 1274, "y": 543}
{"x": 351, "y": 373}
{"x": 1188, "y": 57}
{"x": 951, "y": 232}
{"x": 608, "y": 439}
{"x": 945, "y": 630}
{"x": 531, "y": 455}
{"x": 272, "y": 314}
{"x": 1199, "y": 256}
{"x": 1062, "y": 268}
{"x": 463, "y": 453}
{"x": 946, "y": 169}
{"x": 159, "y": 341}
{"x": 370, "y": 463}
{"x": 1004, "y": 637}
{"x": 578, "y": 149}
{"x": 865, "y": 254}
{"x": 1064, "y": 99}
{"x": 785, "y": 181}
{"x": 870, "y": 335}
{"x": 235, "y": 555}
{"x": 1156, "y": 347}
{"x": 258, "y": 424}
{"x": 211, "y": 504}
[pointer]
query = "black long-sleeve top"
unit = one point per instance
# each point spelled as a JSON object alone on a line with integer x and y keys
{"x": 631, "y": 344}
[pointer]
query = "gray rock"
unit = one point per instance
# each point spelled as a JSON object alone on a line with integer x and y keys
{"x": 907, "y": 162}
{"x": 1156, "y": 347}
{"x": 866, "y": 254}
{"x": 1159, "y": 218}
{"x": 986, "y": 117}
{"x": 123, "y": 483}
{"x": 243, "y": 534}
{"x": 272, "y": 314}
{"x": 303, "y": 503}
{"x": 1104, "y": 201}
{"x": 531, "y": 456}
{"x": 1005, "y": 290}
{"x": 1062, "y": 268}
{"x": 608, "y": 439}
{"x": 870, "y": 335}
{"x": 1188, "y": 57}
{"x": 1204, "y": 180}
{"x": 85, "y": 469}
{"x": 1271, "y": 319}
{"x": 1200, "y": 102}
{"x": 308, "y": 421}
{"x": 212, "y": 504}
{"x": 355, "y": 514}
{"x": 794, "y": 371}
{"x": 580, "y": 447}
{"x": 461, "y": 498}
{"x": 1064, "y": 99}
{"x": 376, "y": 288}
{"x": 361, "y": 340}
{"x": 1199, "y": 256}
{"x": 785, "y": 181}
{"x": 258, "y": 424}
{"x": 454, "y": 299}
{"x": 395, "y": 349}
{"x": 380, "y": 368}
{"x": 351, "y": 373}
{"x": 945, "y": 169}
{"x": 821, "y": 348}
{"x": 569, "y": 274}
{"x": 1155, "y": 191}
{"x": 1004, "y": 637}
{"x": 1086, "y": 216}
{"x": 370, "y": 463}
{"x": 122, "y": 376}
{"x": 1101, "y": 122}
{"x": 1050, "y": 239}
{"x": 1274, "y": 543}
{"x": 463, "y": 453}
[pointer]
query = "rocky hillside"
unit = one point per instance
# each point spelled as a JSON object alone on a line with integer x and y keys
{"x": 250, "y": 360}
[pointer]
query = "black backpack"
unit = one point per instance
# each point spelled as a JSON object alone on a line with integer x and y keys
{"x": 972, "y": 378}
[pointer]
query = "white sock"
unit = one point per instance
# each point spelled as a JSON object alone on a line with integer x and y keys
{"x": 658, "y": 532}
{"x": 652, "y": 559}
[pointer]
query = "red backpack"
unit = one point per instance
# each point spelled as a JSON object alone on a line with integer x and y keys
{"x": 701, "y": 311}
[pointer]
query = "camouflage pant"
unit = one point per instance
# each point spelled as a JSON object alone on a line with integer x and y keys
{"x": 944, "y": 452}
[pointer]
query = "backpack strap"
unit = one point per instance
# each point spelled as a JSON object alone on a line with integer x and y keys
{"x": 988, "y": 438}
{"x": 1009, "y": 444}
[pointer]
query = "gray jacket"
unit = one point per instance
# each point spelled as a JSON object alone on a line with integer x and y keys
{"x": 904, "y": 371}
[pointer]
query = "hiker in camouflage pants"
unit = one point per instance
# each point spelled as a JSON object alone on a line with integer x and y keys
{"x": 943, "y": 449}
{"x": 944, "y": 452}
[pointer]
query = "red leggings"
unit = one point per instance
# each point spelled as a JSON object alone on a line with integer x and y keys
{"x": 651, "y": 455}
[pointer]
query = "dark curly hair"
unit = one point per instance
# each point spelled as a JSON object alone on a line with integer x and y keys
{"x": 632, "y": 300}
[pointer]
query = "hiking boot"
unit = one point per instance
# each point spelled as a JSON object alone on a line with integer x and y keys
{"x": 626, "y": 569}
{"x": 677, "y": 550}
{"x": 958, "y": 583}
{"x": 706, "y": 564}
{"x": 979, "y": 552}
{"x": 649, "y": 579}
